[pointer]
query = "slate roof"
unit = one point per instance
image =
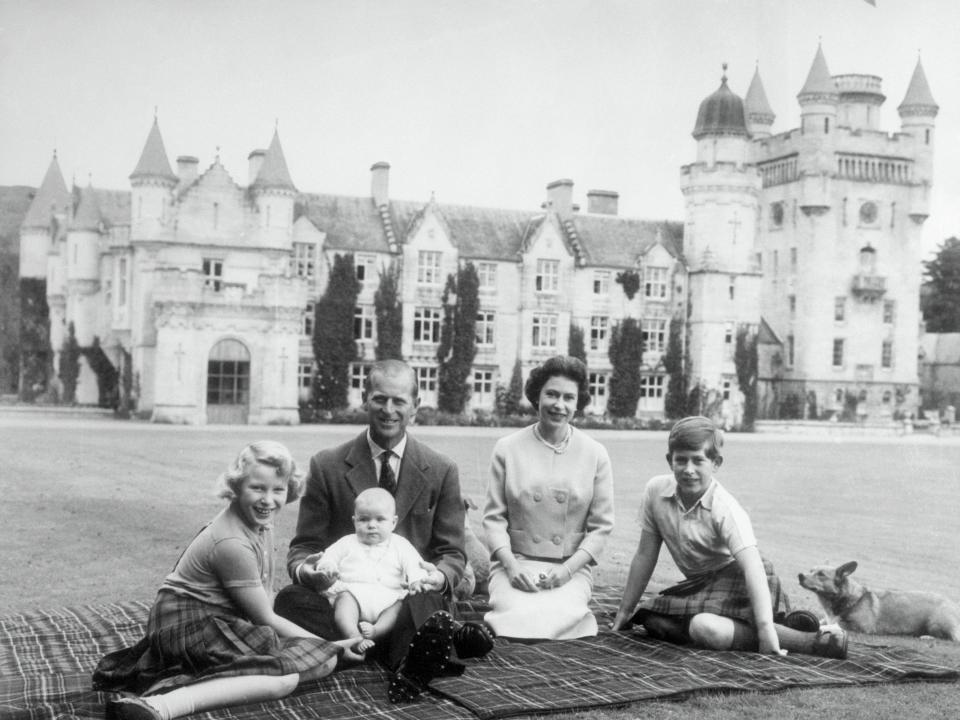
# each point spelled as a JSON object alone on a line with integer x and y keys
{"x": 755, "y": 103}
{"x": 52, "y": 193}
{"x": 819, "y": 81}
{"x": 721, "y": 113}
{"x": 918, "y": 93}
{"x": 87, "y": 216}
{"x": 354, "y": 224}
{"x": 273, "y": 172}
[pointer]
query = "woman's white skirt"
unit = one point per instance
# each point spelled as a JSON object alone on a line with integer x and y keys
{"x": 560, "y": 613}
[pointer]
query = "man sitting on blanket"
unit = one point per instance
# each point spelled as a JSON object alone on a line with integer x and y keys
{"x": 731, "y": 594}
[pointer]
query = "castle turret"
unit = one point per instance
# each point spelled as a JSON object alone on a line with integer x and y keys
{"x": 274, "y": 193}
{"x": 152, "y": 183}
{"x": 48, "y": 210}
{"x": 82, "y": 261}
{"x": 918, "y": 113}
{"x": 721, "y": 192}
{"x": 818, "y": 100}
{"x": 760, "y": 115}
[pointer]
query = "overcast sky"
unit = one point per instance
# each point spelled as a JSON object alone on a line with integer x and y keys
{"x": 482, "y": 103}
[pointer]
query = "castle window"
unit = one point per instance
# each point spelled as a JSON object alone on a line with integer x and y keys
{"x": 486, "y": 322}
{"x": 213, "y": 274}
{"x": 309, "y": 315}
{"x": 893, "y": 212}
{"x": 122, "y": 282}
{"x": 926, "y": 136}
{"x": 889, "y": 310}
{"x": 304, "y": 261}
{"x": 598, "y": 384}
{"x": 358, "y": 375}
{"x": 107, "y": 293}
{"x": 365, "y": 267}
{"x": 651, "y": 386}
{"x": 776, "y": 213}
{"x": 304, "y": 375}
{"x": 654, "y": 335}
{"x": 731, "y": 286}
{"x": 838, "y": 352}
{"x": 428, "y": 267}
{"x": 482, "y": 387}
{"x": 792, "y": 305}
{"x": 728, "y": 333}
{"x": 363, "y": 320}
{"x": 826, "y": 126}
{"x": 601, "y": 282}
{"x": 791, "y": 350}
{"x": 216, "y": 215}
{"x": 868, "y": 213}
{"x": 886, "y": 354}
{"x": 655, "y": 282}
{"x": 487, "y": 276}
{"x": 776, "y": 261}
{"x": 426, "y": 325}
{"x": 548, "y": 276}
{"x": 839, "y": 309}
{"x": 426, "y": 378}
{"x": 793, "y": 259}
{"x": 599, "y": 325}
{"x": 544, "y": 328}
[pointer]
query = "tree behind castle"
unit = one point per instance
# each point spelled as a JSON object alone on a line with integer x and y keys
{"x": 458, "y": 340}
{"x": 334, "y": 345}
{"x": 626, "y": 352}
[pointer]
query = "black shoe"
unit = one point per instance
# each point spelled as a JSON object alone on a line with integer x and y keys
{"x": 473, "y": 640}
{"x": 802, "y": 620}
{"x": 830, "y": 644}
{"x": 426, "y": 658}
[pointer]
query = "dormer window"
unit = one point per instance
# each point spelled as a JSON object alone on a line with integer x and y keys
{"x": 428, "y": 267}
{"x": 548, "y": 276}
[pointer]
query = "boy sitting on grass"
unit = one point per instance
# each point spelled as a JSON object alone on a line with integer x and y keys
{"x": 731, "y": 595}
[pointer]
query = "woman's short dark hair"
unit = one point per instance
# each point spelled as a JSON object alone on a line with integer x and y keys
{"x": 565, "y": 366}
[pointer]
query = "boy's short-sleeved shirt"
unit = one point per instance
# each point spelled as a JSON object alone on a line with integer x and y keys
{"x": 702, "y": 538}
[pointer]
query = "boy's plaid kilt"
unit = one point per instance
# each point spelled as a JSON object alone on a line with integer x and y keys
{"x": 188, "y": 640}
{"x": 723, "y": 592}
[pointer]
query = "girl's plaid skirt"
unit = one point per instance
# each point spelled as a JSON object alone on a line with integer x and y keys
{"x": 188, "y": 641}
{"x": 721, "y": 593}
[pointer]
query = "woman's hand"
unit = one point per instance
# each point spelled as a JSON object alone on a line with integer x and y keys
{"x": 521, "y": 580}
{"x": 557, "y": 576}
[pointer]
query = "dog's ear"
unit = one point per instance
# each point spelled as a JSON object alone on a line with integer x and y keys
{"x": 846, "y": 569}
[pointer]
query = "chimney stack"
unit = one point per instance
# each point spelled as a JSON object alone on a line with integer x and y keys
{"x": 380, "y": 183}
{"x": 255, "y": 162}
{"x": 602, "y": 202}
{"x": 187, "y": 169}
{"x": 560, "y": 197}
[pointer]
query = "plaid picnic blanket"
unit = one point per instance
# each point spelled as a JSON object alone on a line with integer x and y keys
{"x": 47, "y": 657}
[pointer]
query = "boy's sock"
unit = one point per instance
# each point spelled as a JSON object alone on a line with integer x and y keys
{"x": 795, "y": 640}
{"x": 222, "y": 692}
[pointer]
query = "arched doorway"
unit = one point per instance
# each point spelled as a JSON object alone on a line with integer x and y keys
{"x": 228, "y": 383}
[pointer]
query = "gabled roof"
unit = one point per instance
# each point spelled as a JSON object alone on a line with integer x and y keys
{"x": 114, "y": 206}
{"x": 87, "y": 214}
{"x": 352, "y": 224}
{"x": 618, "y": 242}
{"x": 477, "y": 232}
{"x": 52, "y": 194}
{"x": 153, "y": 160}
{"x": 755, "y": 103}
{"x": 918, "y": 95}
{"x": 766, "y": 335}
{"x": 819, "y": 81}
{"x": 273, "y": 172}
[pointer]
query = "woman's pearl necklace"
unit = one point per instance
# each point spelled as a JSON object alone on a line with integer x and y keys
{"x": 560, "y": 447}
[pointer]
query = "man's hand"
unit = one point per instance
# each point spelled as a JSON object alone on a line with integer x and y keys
{"x": 310, "y": 574}
{"x": 433, "y": 582}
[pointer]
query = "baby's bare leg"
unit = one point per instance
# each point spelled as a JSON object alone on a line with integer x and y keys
{"x": 346, "y": 613}
{"x": 387, "y": 620}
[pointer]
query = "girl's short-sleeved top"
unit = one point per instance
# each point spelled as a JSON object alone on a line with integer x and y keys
{"x": 226, "y": 553}
{"x": 702, "y": 538}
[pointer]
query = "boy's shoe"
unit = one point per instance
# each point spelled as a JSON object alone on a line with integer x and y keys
{"x": 473, "y": 639}
{"x": 131, "y": 708}
{"x": 426, "y": 658}
{"x": 830, "y": 643}
{"x": 802, "y": 620}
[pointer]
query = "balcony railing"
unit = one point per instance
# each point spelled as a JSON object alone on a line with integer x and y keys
{"x": 869, "y": 287}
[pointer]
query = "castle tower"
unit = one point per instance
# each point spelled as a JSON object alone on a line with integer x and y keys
{"x": 83, "y": 271}
{"x": 760, "y": 115}
{"x": 274, "y": 194}
{"x": 721, "y": 197}
{"x": 918, "y": 113}
{"x": 151, "y": 198}
{"x": 818, "y": 100}
{"x": 49, "y": 209}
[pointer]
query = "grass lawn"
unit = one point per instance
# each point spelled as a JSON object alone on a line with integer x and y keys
{"x": 98, "y": 511}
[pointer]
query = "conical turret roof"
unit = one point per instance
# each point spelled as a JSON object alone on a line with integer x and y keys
{"x": 87, "y": 215}
{"x": 153, "y": 160}
{"x": 51, "y": 195}
{"x": 273, "y": 172}
{"x": 756, "y": 104}
{"x": 721, "y": 113}
{"x": 819, "y": 81}
{"x": 918, "y": 97}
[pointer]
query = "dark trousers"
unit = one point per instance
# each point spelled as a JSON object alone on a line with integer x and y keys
{"x": 312, "y": 611}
